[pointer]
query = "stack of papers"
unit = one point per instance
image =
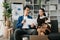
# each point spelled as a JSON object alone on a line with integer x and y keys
{"x": 29, "y": 22}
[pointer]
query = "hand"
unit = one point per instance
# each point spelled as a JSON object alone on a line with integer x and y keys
{"x": 42, "y": 33}
{"x": 24, "y": 21}
{"x": 32, "y": 25}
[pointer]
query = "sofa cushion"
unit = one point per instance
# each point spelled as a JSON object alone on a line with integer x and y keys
{"x": 54, "y": 36}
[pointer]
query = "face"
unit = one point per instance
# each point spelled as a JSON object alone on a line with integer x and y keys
{"x": 26, "y": 11}
{"x": 41, "y": 12}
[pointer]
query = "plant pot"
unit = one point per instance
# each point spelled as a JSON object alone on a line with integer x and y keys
{"x": 8, "y": 23}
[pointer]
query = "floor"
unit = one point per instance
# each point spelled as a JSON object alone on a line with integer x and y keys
{"x": 2, "y": 38}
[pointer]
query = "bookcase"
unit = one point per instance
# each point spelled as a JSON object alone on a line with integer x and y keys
{"x": 34, "y": 5}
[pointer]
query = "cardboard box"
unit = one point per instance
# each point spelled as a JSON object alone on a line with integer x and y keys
{"x": 36, "y": 37}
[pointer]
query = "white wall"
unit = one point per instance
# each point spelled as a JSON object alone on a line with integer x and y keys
{"x": 1, "y": 17}
{"x": 18, "y": 1}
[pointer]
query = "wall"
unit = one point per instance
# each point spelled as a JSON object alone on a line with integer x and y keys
{"x": 1, "y": 17}
{"x": 18, "y": 1}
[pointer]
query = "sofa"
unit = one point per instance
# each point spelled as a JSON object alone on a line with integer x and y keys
{"x": 54, "y": 35}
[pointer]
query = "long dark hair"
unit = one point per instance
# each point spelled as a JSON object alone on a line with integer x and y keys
{"x": 38, "y": 19}
{"x": 43, "y": 13}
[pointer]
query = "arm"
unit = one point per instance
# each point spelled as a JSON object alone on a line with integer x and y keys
{"x": 19, "y": 24}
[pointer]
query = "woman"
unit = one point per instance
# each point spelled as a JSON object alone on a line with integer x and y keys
{"x": 43, "y": 28}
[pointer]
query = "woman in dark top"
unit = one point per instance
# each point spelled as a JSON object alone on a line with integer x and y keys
{"x": 43, "y": 28}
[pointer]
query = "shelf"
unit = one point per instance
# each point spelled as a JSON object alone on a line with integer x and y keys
{"x": 58, "y": 13}
{"x": 53, "y": 13}
{"x": 53, "y": 1}
{"x": 36, "y": 7}
{"x": 46, "y": 10}
{"x": 31, "y": 6}
{"x": 31, "y": 11}
{"x": 32, "y": 1}
{"x": 36, "y": 11}
{"x": 45, "y": 7}
{"x": 35, "y": 16}
{"x": 59, "y": 1}
{"x": 36, "y": 4}
{"x": 53, "y": 17}
{"x": 59, "y": 19}
{"x": 53, "y": 4}
{"x": 53, "y": 10}
{"x": 58, "y": 24}
{"x": 28, "y": 1}
{"x": 42, "y": 1}
{"x": 45, "y": 4}
{"x": 36, "y": 1}
{"x": 53, "y": 7}
{"x": 58, "y": 6}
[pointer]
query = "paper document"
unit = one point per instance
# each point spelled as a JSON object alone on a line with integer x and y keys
{"x": 29, "y": 22}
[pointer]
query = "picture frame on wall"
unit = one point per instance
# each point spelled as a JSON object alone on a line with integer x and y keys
{"x": 17, "y": 10}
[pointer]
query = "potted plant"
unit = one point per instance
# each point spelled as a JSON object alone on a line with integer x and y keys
{"x": 7, "y": 13}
